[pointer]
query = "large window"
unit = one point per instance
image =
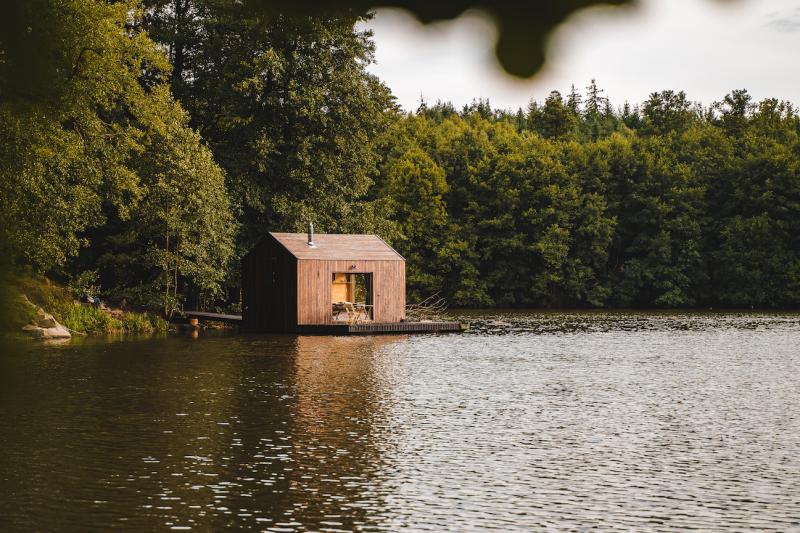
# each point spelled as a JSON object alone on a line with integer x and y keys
{"x": 351, "y": 297}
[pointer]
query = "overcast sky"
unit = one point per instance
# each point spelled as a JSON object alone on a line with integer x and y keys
{"x": 704, "y": 47}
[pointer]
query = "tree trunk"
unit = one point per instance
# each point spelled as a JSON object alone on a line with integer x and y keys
{"x": 167, "y": 314}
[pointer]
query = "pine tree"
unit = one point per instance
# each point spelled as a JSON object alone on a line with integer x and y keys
{"x": 574, "y": 100}
{"x": 556, "y": 120}
{"x": 630, "y": 116}
{"x": 595, "y": 101}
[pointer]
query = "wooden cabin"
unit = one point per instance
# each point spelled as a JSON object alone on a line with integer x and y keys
{"x": 304, "y": 282}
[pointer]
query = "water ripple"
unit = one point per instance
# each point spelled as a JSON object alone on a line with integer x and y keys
{"x": 546, "y": 421}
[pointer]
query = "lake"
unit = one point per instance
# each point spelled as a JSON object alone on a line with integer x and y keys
{"x": 530, "y": 421}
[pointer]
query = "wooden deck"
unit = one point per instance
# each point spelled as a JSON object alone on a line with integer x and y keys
{"x": 364, "y": 328}
{"x": 372, "y": 328}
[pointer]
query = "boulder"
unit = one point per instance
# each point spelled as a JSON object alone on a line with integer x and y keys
{"x": 44, "y": 326}
{"x": 57, "y": 332}
{"x": 45, "y": 320}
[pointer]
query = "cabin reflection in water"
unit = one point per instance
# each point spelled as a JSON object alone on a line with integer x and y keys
{"x": 339, "y": 422}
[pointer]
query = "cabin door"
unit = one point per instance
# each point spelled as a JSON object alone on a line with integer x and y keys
{"x": 351, "y": 297}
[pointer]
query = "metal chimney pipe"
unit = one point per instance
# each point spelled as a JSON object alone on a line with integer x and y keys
{"x": 311, "y": 234}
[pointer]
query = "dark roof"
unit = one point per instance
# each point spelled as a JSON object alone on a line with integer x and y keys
{"x": 333, "y": 246}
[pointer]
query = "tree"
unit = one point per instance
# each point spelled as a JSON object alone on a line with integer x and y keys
{"x": 416, "y": 186}
{"x": 598, "y": 117}
{"x": 109, "y": 155}
{"x": 63, "y": 157}
{"x": 289, "y": 111}
{"x": 555, "y": 120}
{"x": 179, "y": 237}
{"x": 631, "y": 117}
{"x": 734, "y": 110}
{"x": 574, "y": 100}
{"x": 665, "y": 112}
{"x": 595, "y": 101}
{"x": 660, "y": 208}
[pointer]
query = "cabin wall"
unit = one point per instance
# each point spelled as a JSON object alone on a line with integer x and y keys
{"x": 314, "y": 287}
{"x": 269, "y": 288}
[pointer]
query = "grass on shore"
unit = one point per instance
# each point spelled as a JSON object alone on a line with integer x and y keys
{"x": 57, "y": 301}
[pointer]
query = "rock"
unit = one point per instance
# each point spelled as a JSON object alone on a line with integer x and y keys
{"x": 45, "y": 320}
{"x": 46, "y": 327}
{"x": 57, "y": 332}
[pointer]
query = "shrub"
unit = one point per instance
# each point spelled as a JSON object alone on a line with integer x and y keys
{"x": 87, "y": 283}
{"x": 143, "y": 323}
{"x": 87, "y": 319}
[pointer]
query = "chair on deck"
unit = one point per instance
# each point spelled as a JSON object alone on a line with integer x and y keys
{"x": 356, "y": 312}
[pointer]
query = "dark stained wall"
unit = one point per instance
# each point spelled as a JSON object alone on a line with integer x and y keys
{"x": 269, "y": 288}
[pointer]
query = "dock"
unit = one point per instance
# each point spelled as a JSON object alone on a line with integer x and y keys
{"x": 215, "y": 317}
{"x": 361, "y": 328}
{"x": 375, "y": 328}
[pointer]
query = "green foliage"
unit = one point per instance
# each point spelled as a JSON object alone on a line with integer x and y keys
{"x": 41, "y": 291}
{"x": 85, "y": 284}
{"x": 287, "y": 107}
{"x": 108, "y": 152}
{"x": 579, "y": 205}
{"x": 63, "y": 156}
{"x": 179, "y": 238}
{"x": 106, "y": 180}
{"x": 143, "y": 323}
{"x": 666, "y": 112}
{"x": 61, "y": 303}
{"x": 554, "y": 120}
{"x": 87, "y": 319}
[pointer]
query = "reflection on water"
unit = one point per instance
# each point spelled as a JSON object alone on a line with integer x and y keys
{"x": 531, "y": 421}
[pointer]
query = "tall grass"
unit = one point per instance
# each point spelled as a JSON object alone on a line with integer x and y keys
{"x": 143, "y": 323}
{"x": 87, "y": 319}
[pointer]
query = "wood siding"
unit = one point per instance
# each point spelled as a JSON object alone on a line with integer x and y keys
{"x": 281, "y": 290}
{"x": 269, "y": 288}
{"x": 314, "y": 285}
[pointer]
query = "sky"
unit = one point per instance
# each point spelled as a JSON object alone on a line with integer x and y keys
{"x": 704, "y": 47}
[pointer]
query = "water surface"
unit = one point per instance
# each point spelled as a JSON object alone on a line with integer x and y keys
{"x": 650, "y": 422}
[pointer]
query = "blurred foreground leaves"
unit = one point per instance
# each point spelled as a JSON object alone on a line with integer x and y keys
{"x": 523, "y": 27}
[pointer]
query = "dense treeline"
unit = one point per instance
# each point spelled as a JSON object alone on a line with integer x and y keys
{"x": 174, "y": 133}
{"x": 571, "y": 203}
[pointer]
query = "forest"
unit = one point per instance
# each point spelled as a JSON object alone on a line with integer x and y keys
{"x": 167, "y": 136}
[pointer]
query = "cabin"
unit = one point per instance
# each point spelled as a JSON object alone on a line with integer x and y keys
{"x": 295, "y": 282}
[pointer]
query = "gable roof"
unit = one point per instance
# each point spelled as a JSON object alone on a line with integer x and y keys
{"x": 334, "y": 246}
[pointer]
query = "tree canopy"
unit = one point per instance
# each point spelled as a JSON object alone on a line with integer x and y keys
{"x": 162, "y": 139}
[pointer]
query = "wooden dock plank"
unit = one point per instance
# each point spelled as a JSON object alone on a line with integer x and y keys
{"x": 234, "y": 319}
{"x": 368, "y": 328}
